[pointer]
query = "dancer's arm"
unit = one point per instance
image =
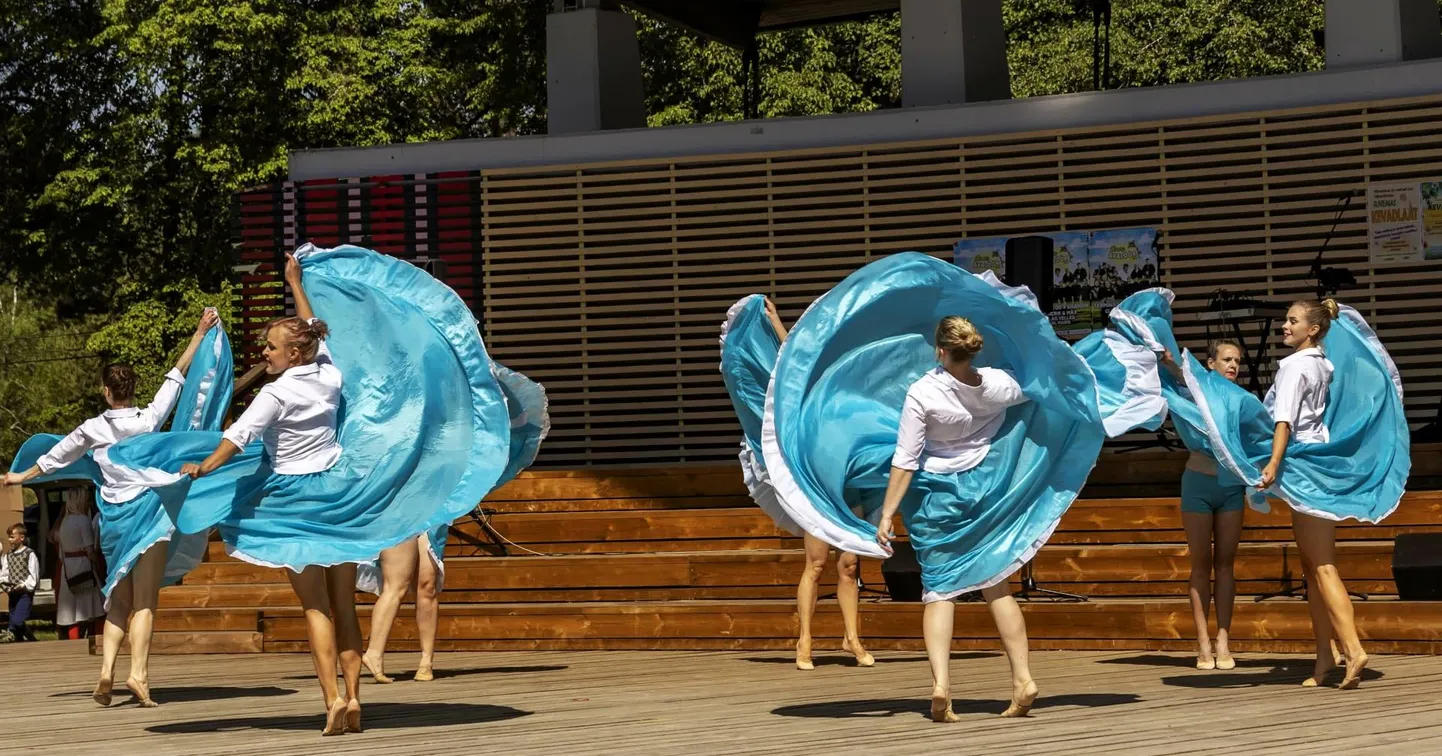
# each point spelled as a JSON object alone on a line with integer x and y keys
{"x": 775, "y": 319}
{"x": 1289, "y": 385}
{"x": 1169, "y": 362}
{"x": 67, "y": 452}
{"x": 910, "y": 442}
{"x": 208, "y": 319}
{"x": 220, "y": 456}
{"x": 896, "y": 488}
{"x": 251, "y": 423}
{"x": 297, "y": 289}
{"x": 1280, "y": 437}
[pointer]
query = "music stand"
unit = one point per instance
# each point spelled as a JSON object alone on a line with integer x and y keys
{"x": 1029, "y": 587}
{"x": 1297, "y": 590}
{"x": 481, "y": 517}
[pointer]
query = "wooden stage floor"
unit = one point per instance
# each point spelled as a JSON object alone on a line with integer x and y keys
{"x": 708, "y": 702}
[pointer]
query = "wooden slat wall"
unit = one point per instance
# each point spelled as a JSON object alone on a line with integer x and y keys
{"x": 607, "y": 282}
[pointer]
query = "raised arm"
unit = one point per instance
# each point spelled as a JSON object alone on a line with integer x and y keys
{"x": 775, "y": 319}
{"x": 208, "y": 319}
{"x": 297, "y": 289}
{"x": 1167, "y": 360}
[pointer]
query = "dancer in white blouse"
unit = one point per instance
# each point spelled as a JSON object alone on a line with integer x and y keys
{"x": 1298, "y": 402}
{"x": 136, "y": 541}
{"x": 948, "y": 421}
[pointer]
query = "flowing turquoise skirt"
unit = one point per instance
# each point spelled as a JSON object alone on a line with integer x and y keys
{"x": 831, "y": 417}
{"x": 749, "y": 346}
{"x": 1144, "y": 320}
{"x": 530, "y": 422}
{"x": 1361, "y": 472}
{"x": 129, "y": 529}
{"x": 423, "y": 427}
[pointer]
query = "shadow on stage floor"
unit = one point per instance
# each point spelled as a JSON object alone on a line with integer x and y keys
{"x": 890, "y": 707}
{"x": 377, "y": 716}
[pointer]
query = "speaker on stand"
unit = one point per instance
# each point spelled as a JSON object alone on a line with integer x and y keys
{"x": 1029, "y": 261}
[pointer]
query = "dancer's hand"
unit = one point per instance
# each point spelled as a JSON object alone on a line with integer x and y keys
{"x": 1269, "y": 476}
{"x": 292, "y": 270}
{"x": 208, "y": 319}
{"x": 1167, "y": 358}
{"x": 884, "y": 533}
{"x": 14, "y": 479}
{"x": 770, "y": 306}
{"x": 191, "y": 469}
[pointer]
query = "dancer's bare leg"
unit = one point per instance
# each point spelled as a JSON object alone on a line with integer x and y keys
{"x": 937, "y": 619}
{"x": 1199, "y": 586}
{"x": 428, "y": 608}
{"x": 310, "y": 588}
{"x": 1011, "y": 626}
{"x": 1321, "y": 628}
{"x": 340, "y": 584}
{"x": 117, "y": 618}
{"x": 848, "y": 595}
{"x": 398, "y": 569}
{"x": 1227, "y": 536}
{"x": 145, "y": 578}
{"x": 1317, "y": 538}
{"x": 817, "y": 552}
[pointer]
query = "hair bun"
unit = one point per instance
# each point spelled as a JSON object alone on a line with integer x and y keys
{"x": 1330, "y": 305}
{"x": 958, "y": 336}
{"x": 319, "y": 329}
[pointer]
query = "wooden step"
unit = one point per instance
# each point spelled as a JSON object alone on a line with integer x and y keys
{"x": 1116, "y": 475}
{"x": 1100, "y": 521}
{"x": 1110, "y": 571}
{"x": 1387, "y": 626}
{"x": 1094, "y": 522}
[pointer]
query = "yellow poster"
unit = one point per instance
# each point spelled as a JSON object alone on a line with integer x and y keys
{"x": 1394, "y": 222}
{"x": 1432, "y": 219}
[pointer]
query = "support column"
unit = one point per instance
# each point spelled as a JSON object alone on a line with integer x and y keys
{"x": 952, "y": 52}
{"x": 593, "y": 68}
{"x": 1371, "y": 32}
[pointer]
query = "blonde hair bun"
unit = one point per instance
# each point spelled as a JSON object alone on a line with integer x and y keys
{"x": 958, "y": 337}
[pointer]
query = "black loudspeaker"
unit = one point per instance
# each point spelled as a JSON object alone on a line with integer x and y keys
{"x": 902, "y": 572}
{"x": 1029, "y": 262}
{"x": 1417, "y": 566}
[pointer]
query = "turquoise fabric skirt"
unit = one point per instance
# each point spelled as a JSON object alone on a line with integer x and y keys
{"x": 530, "y": 423}
{"x": 832, "y": 413}
{"x": 1359, "y": 474}
{"x": 749, "y": 346}
{"x": 423, "y": 428}
{"x": 1144, "y": 320}
{"x": 129, "y": 529}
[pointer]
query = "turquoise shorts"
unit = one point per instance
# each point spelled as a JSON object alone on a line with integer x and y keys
{"x": 1204, "y": 494}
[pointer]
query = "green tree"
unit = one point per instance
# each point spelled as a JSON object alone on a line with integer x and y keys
{"x": 49, "y": 381}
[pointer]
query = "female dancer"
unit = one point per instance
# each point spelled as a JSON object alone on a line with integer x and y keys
{"x": 1212, "y": 502}
{"x": 981, "y": 455}
{"x": 1331, "y": 440}
{"x": 419, "y": 564}
{"x": 401, "y": 431}
{"x": 750, "y": 339}
{"x": 142, "y": 550}
{"x": 78, "y": 600}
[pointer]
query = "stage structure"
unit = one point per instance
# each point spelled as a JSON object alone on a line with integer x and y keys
{"x": 601, "y": 263}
